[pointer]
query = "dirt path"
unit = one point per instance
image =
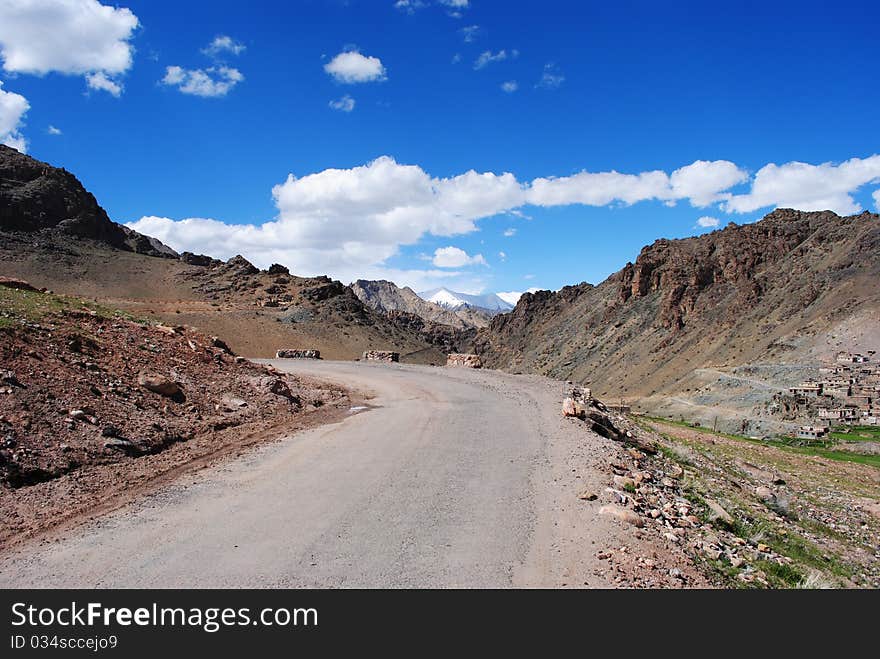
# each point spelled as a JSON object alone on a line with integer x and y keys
{"x": 451, "y": 478}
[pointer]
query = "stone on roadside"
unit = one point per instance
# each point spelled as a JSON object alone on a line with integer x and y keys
{"x": 158, "y": 384}
{"x": 623, "y": 514}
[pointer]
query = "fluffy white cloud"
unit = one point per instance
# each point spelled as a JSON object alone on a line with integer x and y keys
{"x": 351, "y": 67}
{"x": 212, "y": 82}
{"x": 101, "y": 82}
{"x": 344, "y": 104}
{"x": 876, "y": 196}
{"x": 12, "y": 110}
{"x": 453, "y": 257}
{"x": 708, "y": 222}
{"x": 510, "y": 86}
{"x": 456, "y": 4}
{"x": 349, "y": 222}
{"x": 488, "y": 57}
{"x": 551, "y": 78}
{"x": 52, "y": 130}
{"x": 509, "y": 233}
{"x": 502, "y": 256}
{"x": 223, "y": 44}
{"x": 808, "y": 187}
{"x": 702, "y": 182}
{"x": 74, "y": 37}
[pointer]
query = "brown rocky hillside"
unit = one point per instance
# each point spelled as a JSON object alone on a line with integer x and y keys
{"x": 95, "y": 404}
{"x": 787, "y": 290}
{"x": 54, "y": 234}
{"x": 386, "y": 296}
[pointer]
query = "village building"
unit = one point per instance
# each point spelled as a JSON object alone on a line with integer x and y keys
{"x": 839, "y": 413}
{"x": 812, "y": 432}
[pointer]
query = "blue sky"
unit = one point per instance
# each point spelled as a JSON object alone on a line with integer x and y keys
{"x": 161, "y": 126}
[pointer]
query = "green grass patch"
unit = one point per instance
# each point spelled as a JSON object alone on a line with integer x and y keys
{"x": 857, "y": 434}
{"x": 34, "y": 307}
{"x": 819, "y": 451}
{"x": 780, "y": 576}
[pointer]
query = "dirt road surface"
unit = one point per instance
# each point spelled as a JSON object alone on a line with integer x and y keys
{"x": 449, "y": 478}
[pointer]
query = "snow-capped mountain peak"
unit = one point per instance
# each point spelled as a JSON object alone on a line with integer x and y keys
{"x": 453, "y": 300}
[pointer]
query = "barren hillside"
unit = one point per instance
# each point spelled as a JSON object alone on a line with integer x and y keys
{"x": 786, "y": 291}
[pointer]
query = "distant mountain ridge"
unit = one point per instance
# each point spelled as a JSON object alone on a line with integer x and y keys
{"x": 387, "y": 297}
{"x": 449, "y": 299}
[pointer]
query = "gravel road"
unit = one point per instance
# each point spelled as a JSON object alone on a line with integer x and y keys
{"x": 449, "y": 478}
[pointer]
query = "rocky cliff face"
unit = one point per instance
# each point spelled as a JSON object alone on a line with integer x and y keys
{"x": 386, "y": 296}
{"x": 768, "y": 291}
{"x": 36, "y": 197}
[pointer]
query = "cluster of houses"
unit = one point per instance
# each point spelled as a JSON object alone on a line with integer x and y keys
{"x": 846, "y": 394}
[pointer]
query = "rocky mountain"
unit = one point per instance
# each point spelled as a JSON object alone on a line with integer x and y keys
{"x": 489, "y": 303}
{"x": 38, "y": 198}
{"x": 697, "y": 326}
{"x": 54, "y": 234}
{"x": 386, "y": 296}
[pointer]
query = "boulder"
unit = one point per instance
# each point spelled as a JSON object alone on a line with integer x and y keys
{"x": 717, "y": 514}
{"x": 381, "y": 356}
{"x": 623, "y": 514}
{"x": 217, "y": 342}
{"x": 159, "y": 384}
{"x": 278, "y": 269}
{"x": 570, "y": 407}
{"x": 464, "y": 359}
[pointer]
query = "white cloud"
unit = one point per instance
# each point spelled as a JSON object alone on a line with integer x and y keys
{"x": 512, "y": 297}
{"x": 223, "y": 44}
{"x": 551, "y": 78}
{"x": 212, "y": 82}
{"x": 509, "y": 233}
{"x": 510, "y": 86}
{"x": 700, "y": 182}
{"x": 12, "y": 110}
{"x": 708, "y": 222}
{"x": 101, "y": 82}
{"x": 453, "y": 257}
{"x": 351, "y": 67}
{"x": 470, "y": 33}
{"x": 344, "y": 104}
{"x": 72, "y": 37}
{"x": 409, "y": 6}
{"x": 808, "y": 187}
{"x": 876, "y": 196}
{"x": 488, "y": 57}
{"x": 52, "y": 130}
{"x": 349, "y": 222}
{"x": 502, "y": 256}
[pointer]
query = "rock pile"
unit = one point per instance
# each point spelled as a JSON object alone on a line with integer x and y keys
{"x": 381, "y": 356}
{"x": 649, "y": 492}
{"x": 296, "y": 353}
{"x": 465, "y": 360}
